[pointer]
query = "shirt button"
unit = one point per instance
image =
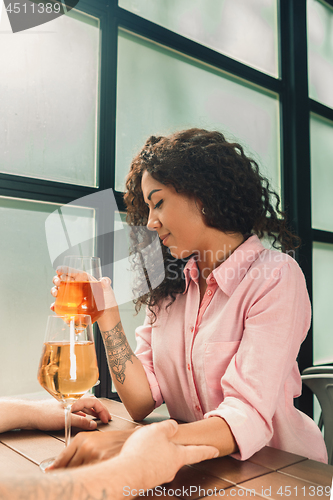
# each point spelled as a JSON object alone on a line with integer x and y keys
{"x": 209, "y": 292}
{"x": 191, "y": 329}
{"x": 188, "y": 367}
{"x": 212, "y": 280}
{"x": 197, "y": 408}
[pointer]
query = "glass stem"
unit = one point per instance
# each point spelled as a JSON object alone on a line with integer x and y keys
{"x": 67, "y": 424}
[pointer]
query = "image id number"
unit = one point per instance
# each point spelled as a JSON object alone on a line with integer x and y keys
{"x": 35, "y": 8}
{"x": 312, "y": 491}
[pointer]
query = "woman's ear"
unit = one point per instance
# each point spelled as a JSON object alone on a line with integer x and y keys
{"x": 199, "y": 205}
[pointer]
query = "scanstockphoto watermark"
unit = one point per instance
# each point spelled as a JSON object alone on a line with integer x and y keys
{"x": 26, "y": 14}
{"x": 230, "y": 273}
{"x": 224, "y": 251}
{"x": 306, "y": 491}
{"x": 189, "y": 492}
{"x": 93, "y": 225}
{"x": 256, "y": 265}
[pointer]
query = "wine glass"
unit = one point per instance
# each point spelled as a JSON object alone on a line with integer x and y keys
{"x": 68, "y": 365}
{"x": 80, "y": 290}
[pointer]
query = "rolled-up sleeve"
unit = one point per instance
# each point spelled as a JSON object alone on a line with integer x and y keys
{"x": 275, "y": 325}
{"x": 144, "y": 353}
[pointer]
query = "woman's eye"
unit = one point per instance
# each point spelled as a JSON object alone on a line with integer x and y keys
{"x": 158, "y": 204}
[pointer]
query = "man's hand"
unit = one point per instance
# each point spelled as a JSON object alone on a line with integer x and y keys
{"x": 156, "y": 457}
{"x": 88, "y": 448}
{"x": 49, "y": 415}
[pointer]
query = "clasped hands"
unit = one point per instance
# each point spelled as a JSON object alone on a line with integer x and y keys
{"x": 152, "y": 444}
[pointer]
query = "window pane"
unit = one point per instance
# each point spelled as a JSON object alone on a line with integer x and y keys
{"x": 320, "y": 51}
{"x": 321, "y": 172}
{"x": 26, "y": 279}
{"x": 49, "y": 99}
{"x": 160, "y": 91}
{"x": 322, "y": 303}
{"x": 243, "y": 29}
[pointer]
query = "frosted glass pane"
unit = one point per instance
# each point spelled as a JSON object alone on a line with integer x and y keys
{"x": 26, "y": 279}
{"x": 321, "y": 172}
{"x": 129, "y": 318}
{"x": 322, "y": 303}
{"x": 320, "y": 51}
{"x": 245, "y": 30}
{"x": 49, "y": 99}
{"x": 160, "y": 91}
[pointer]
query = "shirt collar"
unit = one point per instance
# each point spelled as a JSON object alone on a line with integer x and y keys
{"x": 229, "y": 273}
{"x": 191, "y": 272}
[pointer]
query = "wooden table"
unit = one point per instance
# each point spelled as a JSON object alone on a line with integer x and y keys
{"x": 270, "y": 473}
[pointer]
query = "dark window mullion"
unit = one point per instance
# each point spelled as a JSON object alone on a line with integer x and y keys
{"x": 296, "y": 150}
{"x": 39, "y": 189}
{"x": 107, "y": 141}
{"x": 321, "y": 109}
{"x": 321, "y": 236}
{"x": 107, "y": 107}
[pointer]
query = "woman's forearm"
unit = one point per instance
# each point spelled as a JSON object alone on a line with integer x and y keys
{"x": 126, "y": 369}
{"x": 212, "y": 431}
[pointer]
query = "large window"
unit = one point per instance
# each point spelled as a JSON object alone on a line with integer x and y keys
{"x": 81, "y": 95}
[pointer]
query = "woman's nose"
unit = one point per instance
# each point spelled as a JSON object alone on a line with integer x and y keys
{"x": 153, "y": 223}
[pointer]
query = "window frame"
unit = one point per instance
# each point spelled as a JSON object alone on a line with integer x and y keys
{"x": 295, "y": 108}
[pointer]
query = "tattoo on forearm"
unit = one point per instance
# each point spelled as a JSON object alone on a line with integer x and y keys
{"x": 118, "y": 351}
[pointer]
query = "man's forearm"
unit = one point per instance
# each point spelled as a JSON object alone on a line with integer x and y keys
{"x": 16, "y": 414}
{"x": 103, "y": 481}
{"x": 42, "y": 487}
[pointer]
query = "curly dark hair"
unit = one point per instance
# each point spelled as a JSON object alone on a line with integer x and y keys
{"x": 205, "y": 166}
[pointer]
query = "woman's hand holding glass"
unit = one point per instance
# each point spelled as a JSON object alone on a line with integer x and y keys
{"x": 80, "y": 289}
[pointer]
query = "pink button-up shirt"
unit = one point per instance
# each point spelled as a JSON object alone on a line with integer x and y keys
{"x": 234, "y": 355}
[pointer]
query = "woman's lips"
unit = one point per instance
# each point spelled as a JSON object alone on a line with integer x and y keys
{"x": 164, "y": 237}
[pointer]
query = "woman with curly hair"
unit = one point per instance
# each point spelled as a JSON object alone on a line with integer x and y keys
{"x": 224, "y": 326}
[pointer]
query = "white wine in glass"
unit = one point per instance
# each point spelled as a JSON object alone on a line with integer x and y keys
{"x": 68, "y": 365}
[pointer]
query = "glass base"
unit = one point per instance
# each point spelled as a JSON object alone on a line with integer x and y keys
{"x": 46, "y": 463}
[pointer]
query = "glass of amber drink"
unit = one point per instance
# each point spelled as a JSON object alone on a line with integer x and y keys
{"x": 80, "y": 290}
{"x": 68, "y": 365}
